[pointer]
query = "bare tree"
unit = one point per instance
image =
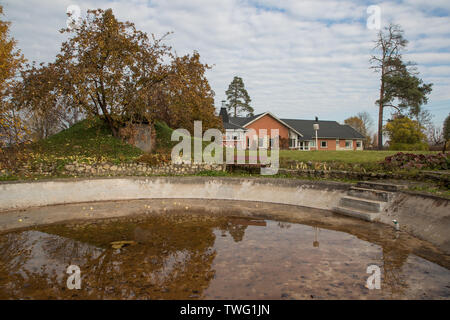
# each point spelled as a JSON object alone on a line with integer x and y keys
{"x": 435, "y": 136}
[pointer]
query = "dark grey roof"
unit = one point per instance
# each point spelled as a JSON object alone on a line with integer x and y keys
{"x": 327, "y": 129}
{"x": 242, "y": 121}
{"x": 229, "y": 125}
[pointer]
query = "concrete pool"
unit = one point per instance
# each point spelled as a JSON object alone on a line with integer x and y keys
{"x": 199, "y": 238}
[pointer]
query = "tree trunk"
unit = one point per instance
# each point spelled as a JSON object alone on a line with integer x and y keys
{"x": 113, "y": 128}
{"x": 110, "y": 121}
{"x": 380, "y": 113}
{"x": 380, "y": 127}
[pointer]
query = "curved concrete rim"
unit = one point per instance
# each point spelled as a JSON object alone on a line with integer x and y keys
{"x": 426, "y": 217}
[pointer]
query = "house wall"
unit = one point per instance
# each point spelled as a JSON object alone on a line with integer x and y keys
{"x": 330, "y": 146}
{"x": 333, "y": 146}
{"x": 268, "y": 123}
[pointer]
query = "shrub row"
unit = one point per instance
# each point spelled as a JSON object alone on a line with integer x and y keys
{"x": 436, "y": 161}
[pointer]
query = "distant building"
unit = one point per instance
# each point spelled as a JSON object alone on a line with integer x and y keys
{"x": 295, "y": 134}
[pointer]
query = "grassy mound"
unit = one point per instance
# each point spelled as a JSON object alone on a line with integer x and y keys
{"x": 89, "y": 139}
{"x": 163, "y": 137}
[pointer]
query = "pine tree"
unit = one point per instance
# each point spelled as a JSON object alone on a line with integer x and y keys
{"x": 400, "y": 86}
{"x": 238, "y": 98}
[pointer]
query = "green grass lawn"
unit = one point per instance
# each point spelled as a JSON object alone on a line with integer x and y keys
{"x": 365, "y": 156}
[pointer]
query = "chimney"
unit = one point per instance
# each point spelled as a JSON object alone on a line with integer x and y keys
{"x": 224, "y": 113}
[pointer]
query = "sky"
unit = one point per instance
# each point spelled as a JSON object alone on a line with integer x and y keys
{"x": 298, "y": 59}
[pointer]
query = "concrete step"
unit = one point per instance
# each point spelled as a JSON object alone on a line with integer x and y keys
{"x": 356, "y": 213}
{"x": 361, "y": 204}
{"x": 370, "y": 194}
{"x": 380, "y": 186}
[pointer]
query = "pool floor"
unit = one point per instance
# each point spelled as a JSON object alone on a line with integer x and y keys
{"x": 197, "y": 255}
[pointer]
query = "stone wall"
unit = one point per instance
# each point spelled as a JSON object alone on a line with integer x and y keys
{"x": 137, "y": 169}
{"x": 123, "y": 169}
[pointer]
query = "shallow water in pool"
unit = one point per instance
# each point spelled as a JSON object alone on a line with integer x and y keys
{"x": 201, "y": 256}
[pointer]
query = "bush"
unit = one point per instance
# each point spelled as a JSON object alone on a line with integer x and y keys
{"x": 437, "y": 161}
{"x": 409, "y": 146}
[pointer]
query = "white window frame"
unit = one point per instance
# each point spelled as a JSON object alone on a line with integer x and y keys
{"x": 292, "y": 143}
{"x": 261, "y": 142}
{"x": 303, "y": 145}
{"x": 326, "y": 144}
{"x": 351, "y": 144}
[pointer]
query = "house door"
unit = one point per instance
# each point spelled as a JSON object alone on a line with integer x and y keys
{"x": 304, "y": 145}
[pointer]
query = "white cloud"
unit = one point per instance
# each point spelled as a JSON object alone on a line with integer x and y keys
{"x": 297, "y": 58}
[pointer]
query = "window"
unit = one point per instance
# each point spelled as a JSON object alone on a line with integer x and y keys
{"x": 324, "y": 144}
{"x": 348, "y": 144}
{"x": 261, "y": 142}
{"x": 304, "y": 145}
{"x": 291, "y": 143}
{"x": 358, "y": 144}
{"x": 312, "y": 143}
{"x": 248, "y": 142}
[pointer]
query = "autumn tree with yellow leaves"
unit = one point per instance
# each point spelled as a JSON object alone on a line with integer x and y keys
{"x": 11, "y": 60}
{"x": 120, "y": 74}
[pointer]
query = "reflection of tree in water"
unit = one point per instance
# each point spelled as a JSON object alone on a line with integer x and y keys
{"x": 393, "y": 261}
{"x": 236, "y": 226}
{"x": 171, "y": 260}
{"x": 237, "y": 231}
{"x": 284, "y": 225}
{"x": 32, "y": 262}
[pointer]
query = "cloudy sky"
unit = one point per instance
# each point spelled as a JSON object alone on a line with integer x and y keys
{"x": 298, "y": 58}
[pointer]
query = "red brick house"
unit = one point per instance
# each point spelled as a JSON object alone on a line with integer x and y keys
{"x": 294, "y": 133}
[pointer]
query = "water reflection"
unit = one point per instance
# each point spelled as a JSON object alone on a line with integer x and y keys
{"x": 195, "y": 256}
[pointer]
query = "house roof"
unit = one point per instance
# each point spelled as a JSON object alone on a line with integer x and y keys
{"x": 232, "y": 126}
{"x": 242, "y": 121}
{"x": 327, "y": 129}
{"x": 245, "y": 121}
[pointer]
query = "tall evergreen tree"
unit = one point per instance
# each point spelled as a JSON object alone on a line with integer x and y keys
{"x": 400, "y": 88}
{"x": 238, "y": 98}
